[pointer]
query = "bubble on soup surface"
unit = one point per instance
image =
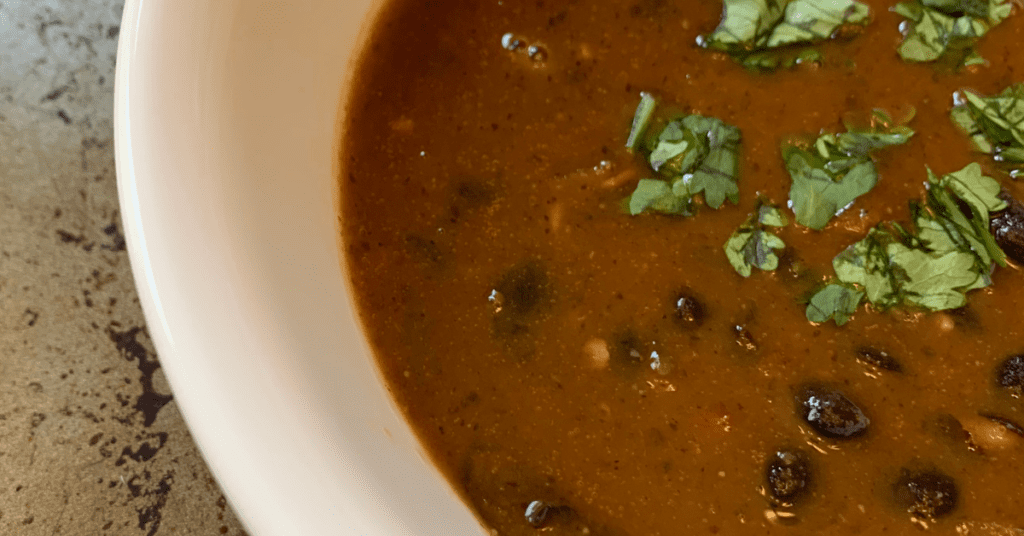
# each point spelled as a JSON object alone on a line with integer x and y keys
{"x": 1010, "y": 375}
{"x": 537, "y": 53}
{"x": 509, "y": 42}
{"x": 830, "y": 413}
{"x": 926, "y": 495}
{"x": 688, "y": 310}
{"x": 788, "y": 475}
{"x": 879, "y": 359}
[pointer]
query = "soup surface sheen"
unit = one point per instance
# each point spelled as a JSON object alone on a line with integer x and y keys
{"x": 530, "y": 330}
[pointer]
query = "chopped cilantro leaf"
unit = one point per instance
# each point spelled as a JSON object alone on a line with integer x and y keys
{"x": 935, "y": 282}
{"x": 746, "y": 23}
{"x": 715, "y": 175}
{"x": 642, "y": 117}
{"x": 836, "y": 169}
{"x": 865, "y": 265}
{"x": 764, "y": 34}
{"x": 676, "y": 151}
{"x": 994, "y": 124}
{"x": 934, "y": 233}
{"x": 810, "y": 21}
{"x": 834, "y": 302}
{"x": 692, "y": 155}
{"x": 948, "y": 29}
{"x": 751, "y": 246}
{"x": 979, "y": 194}
{"x": 974, "y": 188}
{"x": 653, "y": 195}
{"x": 950, "y": 253}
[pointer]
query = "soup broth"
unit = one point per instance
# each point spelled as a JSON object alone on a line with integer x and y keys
{"x": 576, "y": 369}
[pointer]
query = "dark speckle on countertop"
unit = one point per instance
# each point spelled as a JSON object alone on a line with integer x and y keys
{"x": 92, "y": 441}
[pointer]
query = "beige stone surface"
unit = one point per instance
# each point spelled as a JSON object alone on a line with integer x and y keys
{"x": 91, "y": 442}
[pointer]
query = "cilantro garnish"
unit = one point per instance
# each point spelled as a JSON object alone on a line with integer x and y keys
{"x": 836, "y": 169}
{"x": 642, "y": 118}
{"x": 948, "y": 29}
{"x": 964, "y": 229}
{"x": 994, "y": 124}
{"x": 765, "y": 34}
{"x": 950, "y": 253}
{"x": 691, "y": 155}
{"x": 834, "y": 302}
{"x": 654, "y": 195}
{"x": 752, "y": 246}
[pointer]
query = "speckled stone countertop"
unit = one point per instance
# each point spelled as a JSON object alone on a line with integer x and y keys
{"x": 91, "y": 441}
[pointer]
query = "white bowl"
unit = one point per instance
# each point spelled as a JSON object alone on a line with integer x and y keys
{"x": 227, "y": 129}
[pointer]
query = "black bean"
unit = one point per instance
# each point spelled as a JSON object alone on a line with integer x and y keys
{"x": 744, "y": 338}
{"x": 518, "y": 299}
{"x": 500, "y": 487}
{"x": 925, "y": 494}
{"x": 793, "y": 269}
{"x": 537, "y": 513}
{"x": 545, "y": 515}
{"x": 628, "y": 354}
{"x": 830, "y": 413}
{"x": 965, "y": 318}
{"x": 1006, "y": 423}
{"x": 1008, "y": 228}
{"x": 949, "y": 427}
{"x": 469, "y": 195}
{"x": 688, "y": 310}
{"x": 427, "y": 251}
{"x": 788, "y": 475}
{"x": 475, "y": 192}
{"x": 523, "y": 289}
{"x": 515, "y": 494}
{"x": 1010, "y": 375}
{"x": 879, "y": 359}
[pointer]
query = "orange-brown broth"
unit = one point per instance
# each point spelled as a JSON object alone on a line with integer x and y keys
{"x": 441, "y": 104}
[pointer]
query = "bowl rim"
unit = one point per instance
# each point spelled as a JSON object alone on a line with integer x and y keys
{"x": 355, "y": 492}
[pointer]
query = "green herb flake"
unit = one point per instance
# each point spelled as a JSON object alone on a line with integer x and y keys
{"x": 865, "y": 265}
{"x": 947, "y": 30}
{"x": 834, "y": 302}
{"x": 692, "y": 155}
{"x": 752, "y": 246}
{"x": 950, "y": 253}
{"x": 642, "y": 118}
{"x": 766, "y": 34}
{"x": 995, "y": 125}
{"x": 971, "y": 188}
{"x": 829, "y": 174}
{"x": 716, "y": 174}
{"x": 935, "y": 282}
{"x": 653, "y": 195}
